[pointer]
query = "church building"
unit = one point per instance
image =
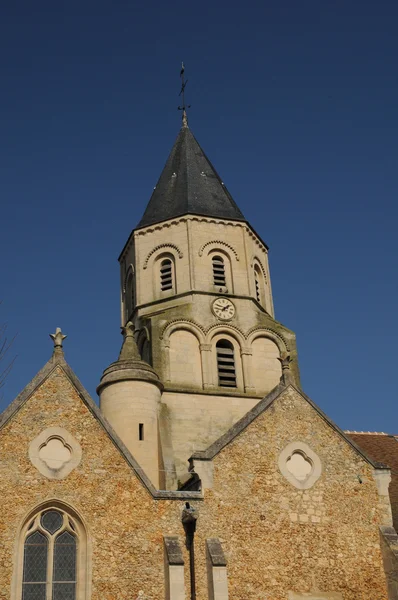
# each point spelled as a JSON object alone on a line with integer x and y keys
{"x": 205, "y": 472}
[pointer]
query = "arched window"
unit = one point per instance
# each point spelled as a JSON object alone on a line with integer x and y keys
{"x": 53, "y": 548}
{"x": 259, "y": 284}
{"x": 129, "y": 297}
{"x": 257, "y": 280}
{"x": 166, "y": 275}
{"x": 226, "y": 364}
{"x": 218, "y": 271}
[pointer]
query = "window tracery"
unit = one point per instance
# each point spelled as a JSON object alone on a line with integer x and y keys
{"x": 50, "y": 558}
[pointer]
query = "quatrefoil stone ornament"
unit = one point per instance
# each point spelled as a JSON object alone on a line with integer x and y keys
{"x": 300, "y": 465}
{"x": 55, "y": 453}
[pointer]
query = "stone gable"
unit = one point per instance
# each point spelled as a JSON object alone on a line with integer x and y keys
{"x": 276, "y": 538}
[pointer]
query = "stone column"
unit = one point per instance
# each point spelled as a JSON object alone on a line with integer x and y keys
{"x": 207, "y": 371}
{"x": 246, "y": 355}
{"x": 166, "y": 354}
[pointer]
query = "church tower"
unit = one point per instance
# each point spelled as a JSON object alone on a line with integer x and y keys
{"x": 195, "y": 282}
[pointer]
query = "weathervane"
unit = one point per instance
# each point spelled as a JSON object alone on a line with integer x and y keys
{"x": 184, "y": 106}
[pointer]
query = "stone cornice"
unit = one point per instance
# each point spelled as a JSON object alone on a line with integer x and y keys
{"x": 198, "y": 218}
{"x": 218, "y": 243}
{"x": 160, "y": 247}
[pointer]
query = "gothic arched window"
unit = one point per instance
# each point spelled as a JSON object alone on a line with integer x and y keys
{"x": 218, "y": 271}
{"x": 53, "y": 549}
{"x": 166, "y": 275}
{"x": 226, "y": 364}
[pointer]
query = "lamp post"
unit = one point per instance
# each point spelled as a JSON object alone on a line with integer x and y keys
{"x": 189, "y": 518}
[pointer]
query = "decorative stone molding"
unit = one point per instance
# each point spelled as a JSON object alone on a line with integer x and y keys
{"x": 286, "y": 360}
{"x": 198, "y": 219}
{"x": 206, "y": 347}
{"x": 55, "y": 453}
{"x": 227, "y": 328}
{"x": 161, "y": 247}
{"x": 271, "y": 334}
{"x": 256, "y": 240}
{"x": 246, "y": 351}
{"x": 256, "y": 261}
{"x": 129, "y": 270}
{"x": 165, "y": 334}
{"x": 300, "y": 465}
{"x": 265, "y": 331}
{"x": 219, "y": 243}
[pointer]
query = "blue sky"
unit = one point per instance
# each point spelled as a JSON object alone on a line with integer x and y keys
{"x": 296, "y": 106}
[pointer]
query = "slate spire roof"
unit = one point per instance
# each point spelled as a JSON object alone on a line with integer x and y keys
{"x": 189, "y": 184}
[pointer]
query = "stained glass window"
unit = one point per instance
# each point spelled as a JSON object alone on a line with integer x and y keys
{"x": 41, "y": 551}
{"x": 52, "y": 521}
{"x": 35, "y": 567}
{"x": 64, "y": 575}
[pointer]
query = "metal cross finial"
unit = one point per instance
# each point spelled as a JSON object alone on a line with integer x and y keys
{"x": 57, "y": 337}
{"x": 184, "y": 106}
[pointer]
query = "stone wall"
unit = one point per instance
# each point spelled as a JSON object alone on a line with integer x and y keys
{"x": 251, "y": 509}
{"x": 197, "y": 420}
{"x": 322, "y": 539}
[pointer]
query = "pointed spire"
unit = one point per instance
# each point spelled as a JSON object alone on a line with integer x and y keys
{"x": 129, "y": 365}
{"x": 184, "y": 118}
{"x": 189, "y": 184}
{"x": 129, "y": 349}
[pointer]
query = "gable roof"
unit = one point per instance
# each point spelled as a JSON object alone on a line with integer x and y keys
{"x": 189, "y": 184}
{"x": 381, "y": 447}
{"x": 260, "y": 408}
{"x": 58, "y": 360}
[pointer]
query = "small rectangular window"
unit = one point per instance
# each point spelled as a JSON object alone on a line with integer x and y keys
{"x": 141, "y": 432}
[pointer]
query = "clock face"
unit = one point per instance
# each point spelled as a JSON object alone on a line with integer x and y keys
{"x": 223, "y": 309}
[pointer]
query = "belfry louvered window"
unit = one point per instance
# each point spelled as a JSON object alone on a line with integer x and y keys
{"x": 257, "y": 280}
{"x": 226, "y": 364}
{"x": 166, "y": 275}
{"x": 50, "y": 558}
{"x": 218, "y": 271}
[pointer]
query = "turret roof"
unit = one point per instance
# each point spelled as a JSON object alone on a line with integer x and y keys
{"x": 189, "y": 184}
